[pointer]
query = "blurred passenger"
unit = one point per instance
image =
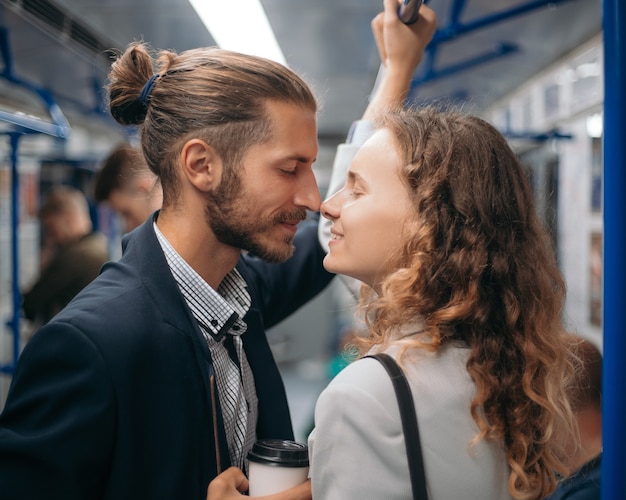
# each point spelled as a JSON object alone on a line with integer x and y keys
{"x": 585, "y": 463}
{"x": 127, "y": 184}
{"x": 71, "y": 255}
{"x": 437, "y": 219}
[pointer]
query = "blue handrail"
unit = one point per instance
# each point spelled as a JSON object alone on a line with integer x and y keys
{"x": 21, "y": 124}
{"x": 453, "y": 28}
{"x": 59, "y": 127}
{"x": 614, "y": 374}
{"x": 14, "y": 322}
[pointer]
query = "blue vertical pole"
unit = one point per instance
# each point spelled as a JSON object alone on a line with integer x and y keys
{"x": 614, "y": 373}
{"x": 15, "y": 214}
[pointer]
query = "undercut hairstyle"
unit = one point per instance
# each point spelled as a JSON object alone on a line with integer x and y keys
{"x": 210, "y": 94}
{"x": 479, "y": 267}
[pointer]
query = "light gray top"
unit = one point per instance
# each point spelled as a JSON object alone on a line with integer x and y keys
{"x": 357, "y": 448}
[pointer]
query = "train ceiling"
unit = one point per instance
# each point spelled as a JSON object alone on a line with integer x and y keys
{"x": 57, "y": 51}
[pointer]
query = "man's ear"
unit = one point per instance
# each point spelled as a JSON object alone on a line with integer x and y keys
{"x": 201, "y": 165}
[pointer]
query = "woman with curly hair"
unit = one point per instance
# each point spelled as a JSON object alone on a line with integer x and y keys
{"x": 436, "y": 218}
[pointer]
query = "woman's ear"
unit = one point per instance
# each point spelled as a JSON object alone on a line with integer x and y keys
{"x": 201, "y": 165}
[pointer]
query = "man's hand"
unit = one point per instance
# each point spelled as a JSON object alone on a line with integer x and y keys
{"x": 231, "y": 483}
{"x": 399, "y": 43}
{"x": 228, "y": 485}
{"x": 400, "y": 47}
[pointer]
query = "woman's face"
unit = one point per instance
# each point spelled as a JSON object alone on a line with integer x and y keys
{"x": 369, "y": 213}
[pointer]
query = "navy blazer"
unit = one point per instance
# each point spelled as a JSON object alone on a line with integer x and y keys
{"x": 115, "y": 398}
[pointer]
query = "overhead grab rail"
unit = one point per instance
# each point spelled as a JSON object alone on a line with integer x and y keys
{"x": 59, "y": 127}
{"x": 537, "y": 136}
{"x": 454, "y": 28}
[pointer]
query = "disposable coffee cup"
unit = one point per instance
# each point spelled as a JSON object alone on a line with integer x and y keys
{"x": 275, "y": 465}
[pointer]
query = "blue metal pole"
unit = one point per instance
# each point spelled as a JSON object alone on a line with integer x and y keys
{"x": 614, "y": 373}
{"x": 15, "y": 275}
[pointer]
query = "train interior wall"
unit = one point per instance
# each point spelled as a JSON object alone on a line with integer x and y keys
{"x": 561, "y": 112}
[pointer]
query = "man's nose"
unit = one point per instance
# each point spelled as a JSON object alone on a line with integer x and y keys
{"x": 308, "y": 193}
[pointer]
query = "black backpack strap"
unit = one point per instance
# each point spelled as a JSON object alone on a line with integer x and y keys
{"x": 409, "y": 424}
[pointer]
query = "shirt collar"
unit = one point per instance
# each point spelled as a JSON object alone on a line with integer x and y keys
{"x": 218, "y": 312}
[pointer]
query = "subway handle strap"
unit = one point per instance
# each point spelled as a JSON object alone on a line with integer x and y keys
{"x": 409, "y": 424}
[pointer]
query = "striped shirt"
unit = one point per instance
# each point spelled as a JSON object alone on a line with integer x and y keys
{"x": 219, "y": 316}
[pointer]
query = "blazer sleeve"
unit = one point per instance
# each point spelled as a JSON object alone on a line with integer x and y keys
{"x": 357, "y": 447}
{"x": 57, "y": 425}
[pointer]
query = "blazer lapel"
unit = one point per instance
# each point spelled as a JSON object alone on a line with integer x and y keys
{"x": 141, "y": 248}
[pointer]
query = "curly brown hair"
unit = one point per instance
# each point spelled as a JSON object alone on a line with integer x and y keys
{"x": 208, "y": 93}
{"x": 479, "y": 267}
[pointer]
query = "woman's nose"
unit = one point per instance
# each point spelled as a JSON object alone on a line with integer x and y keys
{"x": 330, "y": 206}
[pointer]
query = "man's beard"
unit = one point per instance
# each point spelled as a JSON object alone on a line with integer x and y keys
{"x": 230, "y": 215}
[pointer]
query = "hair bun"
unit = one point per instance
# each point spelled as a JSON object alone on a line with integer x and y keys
{"x": 129, "y": 112}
